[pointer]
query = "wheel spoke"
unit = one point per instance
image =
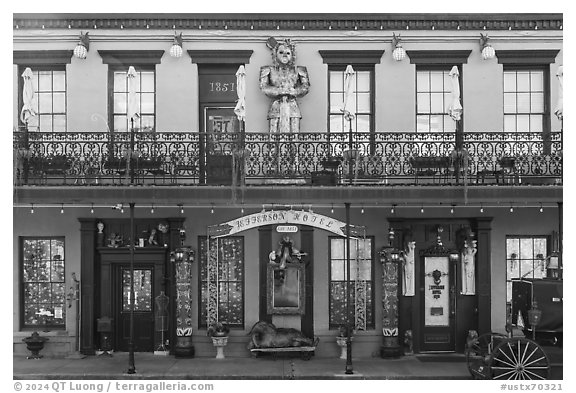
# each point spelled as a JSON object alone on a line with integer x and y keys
{"x": 529, "y": 356}
{"x": 534, "y": 361}
{"x": 503, "y": 374}
{"x": 511, "y": 364}
{"x": 536, "y": 375}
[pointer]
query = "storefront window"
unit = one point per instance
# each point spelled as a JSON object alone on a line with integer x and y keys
{"x": 43, "y": 288}
{"x": 230, "y": 280}
{"x": 526, "y": 257}
{"x": 361, "y": 272}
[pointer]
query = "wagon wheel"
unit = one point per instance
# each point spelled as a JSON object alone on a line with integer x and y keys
{"x": 478, "y": 354}
{"x": 519, "y": 358}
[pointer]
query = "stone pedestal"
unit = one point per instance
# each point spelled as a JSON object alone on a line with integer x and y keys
{"x": 341, "y": 341}
{"x": 220, "y": 343}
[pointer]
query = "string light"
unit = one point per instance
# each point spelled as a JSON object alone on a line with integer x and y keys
{"x": 452, "y": 209}
{"x": 242, "y": 210}
{"x": 362, "y": 211}
{"x": 61, "y": 208}
{"x": 32, "y": 209}
{"x": 92, "y": 209}
{"x": 332, "y": 210}
{"x": 152, "y": 209}
{"x": 541, "y": 209}
{"x": 212, "y": 209}
{"x": 481, "y": 208}
{"x": 122, "y": 209}
{"x": 511, "y": 208}
{"x": 422, "y": 210}
{"x": 393, "y": 209}
{"x": 181, "y": 209}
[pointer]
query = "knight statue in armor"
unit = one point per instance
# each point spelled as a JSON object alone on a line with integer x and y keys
{"x": 284, "y": 82}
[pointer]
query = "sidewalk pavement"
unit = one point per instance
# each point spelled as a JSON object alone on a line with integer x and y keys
{"x": 155, "y": 367}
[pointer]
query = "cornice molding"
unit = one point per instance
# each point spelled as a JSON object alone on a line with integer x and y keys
{"x": 42, "y": 57}
{"x": 438, "y": 56}
{"x": 130, "y": 57}
{"x": 351, "y": 56}
{"x": 441, "y": 21}
{"x": 220, "y": 56}
{"x": 543, "y": 56}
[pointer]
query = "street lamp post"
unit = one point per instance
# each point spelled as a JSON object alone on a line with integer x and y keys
{"x": 349, "y": 369}
{"x": 131, "y": 366}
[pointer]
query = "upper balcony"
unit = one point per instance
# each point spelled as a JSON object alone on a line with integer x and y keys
{"x": 314, "y": 159}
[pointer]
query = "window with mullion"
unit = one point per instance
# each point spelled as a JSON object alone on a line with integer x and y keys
{"x": 230, "y": 280}
{"x": 145, "y": 99}
{"x": 525, "y": 258}
{"x": 524, "y": 99}
{"x": 361, "y": 267}
{"x": 50, "y": 96}
{"x": 433, "y": 94}
{"x": 42, "y": 283}
{"x": 361, "y": 104}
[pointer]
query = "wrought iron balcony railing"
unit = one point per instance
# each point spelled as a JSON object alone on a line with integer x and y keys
{"x": 101, "y": 158}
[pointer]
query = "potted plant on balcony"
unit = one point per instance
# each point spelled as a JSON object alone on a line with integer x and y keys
{"x": 219, "y": 333}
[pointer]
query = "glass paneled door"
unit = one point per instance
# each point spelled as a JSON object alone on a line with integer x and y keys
{"x": 438, "y": 305}
{"x": 143, "y": 308}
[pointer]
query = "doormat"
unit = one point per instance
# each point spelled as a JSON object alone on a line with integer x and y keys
{"x": 441, "y": 358}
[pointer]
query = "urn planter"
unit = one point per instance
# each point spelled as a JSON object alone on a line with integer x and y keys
{"x": 219, "y": 343}
{"x": 35, "y": 343}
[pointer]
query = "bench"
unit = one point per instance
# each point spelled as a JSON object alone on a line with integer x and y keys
{"x": 304, "y": 352}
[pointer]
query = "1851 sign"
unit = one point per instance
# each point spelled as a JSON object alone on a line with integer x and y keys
{"x": 218, "y": 88}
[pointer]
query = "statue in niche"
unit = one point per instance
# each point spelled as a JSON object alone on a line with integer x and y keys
{"x": 152, "y": 238}
{"x": 468, "y": 268}
{"x": 408, "y": 270}
{"x": 284, "y": 82}
{"x": 100, "y": 234}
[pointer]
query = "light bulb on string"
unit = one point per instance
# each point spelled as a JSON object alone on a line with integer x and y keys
{"x": 393, "y": 209}
{"x": 62, "y": 208}
{"x": 332, "y": 210}
{"x": 422, "y": 210}
{"x": 181, "y": 209}
{"x": 212, "y": 209}
{"x": 541, "y": 209}
{"x": 32, "y": 209}
{"x": 152, "y": 209}
{"x": 481, "y": 208}
{"x": 92, "y": 209}
{"x": 452, "y": 210}
{"x": 362, "y": 211}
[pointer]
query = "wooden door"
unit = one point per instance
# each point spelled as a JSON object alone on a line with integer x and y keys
{"x": 143, "y": 307}
{"x": 437, "y": 304}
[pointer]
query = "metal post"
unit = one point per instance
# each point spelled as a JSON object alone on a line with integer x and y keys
{"x": 560, "y": 237}
{"x": 349, "y": 369}
{"x": 131, "y": 152}
{"x": 350, "y": 166}
{"x": 131, "y": 366}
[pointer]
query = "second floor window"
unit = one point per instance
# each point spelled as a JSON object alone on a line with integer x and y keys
{"x": 524, "y": 100}
{"x": 433, "y": 95}
{"x": 145, "y": 99}
{"x": 360, "y": 105}
{"x": 50, "y": 97}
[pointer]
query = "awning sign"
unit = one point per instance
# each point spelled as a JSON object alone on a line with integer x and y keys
{"x": 275, "y": 217}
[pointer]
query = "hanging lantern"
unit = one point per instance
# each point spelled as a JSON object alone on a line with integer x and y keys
{"x": 399, "y": 52}
{"x": 487, "y": 51}
{"x": 176, "y": 49}
{"x": 82, "y": 47}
